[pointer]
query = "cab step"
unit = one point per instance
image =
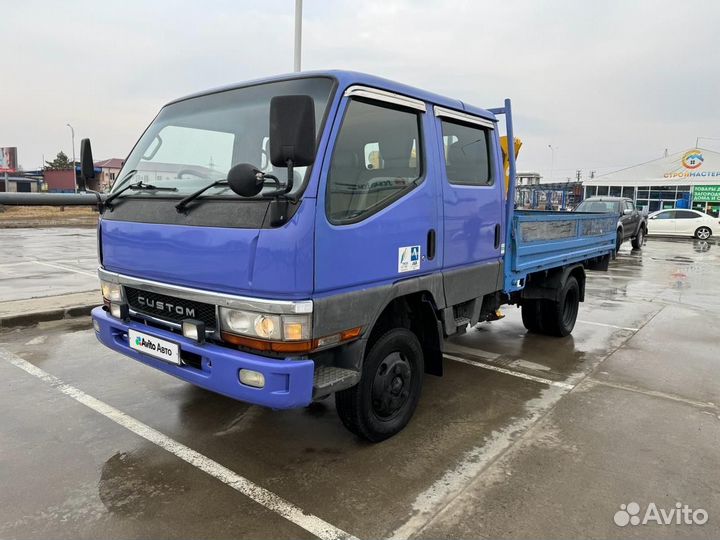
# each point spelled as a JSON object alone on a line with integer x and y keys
{"x": 329, "y": 379}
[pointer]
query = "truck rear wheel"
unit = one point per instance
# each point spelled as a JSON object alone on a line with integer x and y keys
{"x": 559, "y": 316}
{"x": 384, "y": 400}
{"x": 532, "y": 316}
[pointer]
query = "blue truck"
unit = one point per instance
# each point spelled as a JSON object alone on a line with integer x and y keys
{"x": 283, "y": 240}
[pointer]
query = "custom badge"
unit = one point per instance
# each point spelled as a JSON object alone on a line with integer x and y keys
{"x": 408, "y": 258}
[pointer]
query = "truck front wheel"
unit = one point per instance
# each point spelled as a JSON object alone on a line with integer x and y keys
{"x": 559, "y": 315}
{"x": 384, "y": 400}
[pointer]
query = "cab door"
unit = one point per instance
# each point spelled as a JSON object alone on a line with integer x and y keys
{"x": 377, "y": 212}
{"x": 472, "y": 195}
{"x": 630, "y": 219}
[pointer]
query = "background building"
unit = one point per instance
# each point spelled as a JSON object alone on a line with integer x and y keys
{"x": 528, "y": 178}
{"x": 688, "y": 179}
{"x": 59, "y": 180}
{"x": 20, "y": 183}
{"x": 109, "y": 169}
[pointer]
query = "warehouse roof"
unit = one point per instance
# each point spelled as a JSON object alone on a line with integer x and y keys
{"x": 692, "y": 166}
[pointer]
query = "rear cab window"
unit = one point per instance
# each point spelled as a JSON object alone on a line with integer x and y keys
{"x": 377, "y": 159}
{"x": 467, "y": 153}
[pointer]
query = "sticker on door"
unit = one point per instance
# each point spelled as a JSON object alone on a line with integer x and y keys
{"x": 408, "y": 258}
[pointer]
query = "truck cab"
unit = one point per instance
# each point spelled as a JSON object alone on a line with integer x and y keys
{"x": 322, "y": 233}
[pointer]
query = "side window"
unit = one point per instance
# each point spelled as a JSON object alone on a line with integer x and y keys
{"x": 467, "y": 154}
{"x": 670, "y": 214}
{"x": 629, "y": 205}
{"x": 377, "y": 158}
{"x": 685, "y": 214}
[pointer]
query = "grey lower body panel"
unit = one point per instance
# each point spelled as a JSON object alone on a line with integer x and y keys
{"x": 467, "y": 283}
{"x": 333, "y": 314}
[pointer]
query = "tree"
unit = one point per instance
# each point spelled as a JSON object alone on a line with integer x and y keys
{"x": 60, "y": 162}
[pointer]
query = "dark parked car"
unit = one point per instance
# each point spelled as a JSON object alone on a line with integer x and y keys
{"x": 632, "y": 223}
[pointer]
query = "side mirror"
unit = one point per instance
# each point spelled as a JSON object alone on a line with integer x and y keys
{"x": 245, "y": 180}
{"x": 87, "y": 166}
{"x": 292, "y": 131}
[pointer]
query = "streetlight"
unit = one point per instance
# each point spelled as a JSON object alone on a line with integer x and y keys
{"x": 72, "y": 132}
{"x": 298, "y": 34}
{"x": 552, "y": 160}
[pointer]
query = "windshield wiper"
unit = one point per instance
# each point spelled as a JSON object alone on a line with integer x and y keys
{"x": 136, "y": 187}
{"x": 184, "y": 202}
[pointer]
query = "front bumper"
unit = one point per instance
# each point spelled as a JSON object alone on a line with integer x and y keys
{"x": 288, "y": 383}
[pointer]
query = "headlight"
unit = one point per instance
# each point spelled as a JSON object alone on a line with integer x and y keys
{"x": 266, "y": 326}
{"x": 111, "y": 291}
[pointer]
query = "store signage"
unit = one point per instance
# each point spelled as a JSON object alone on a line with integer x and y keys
{"x": 692, "y": 162}
{"x": 706, "y": 193}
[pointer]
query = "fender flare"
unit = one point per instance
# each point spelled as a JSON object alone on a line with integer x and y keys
{"x": 548, "y": 287}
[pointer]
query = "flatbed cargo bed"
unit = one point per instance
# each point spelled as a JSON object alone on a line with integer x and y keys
{"x": 542, "y": 240}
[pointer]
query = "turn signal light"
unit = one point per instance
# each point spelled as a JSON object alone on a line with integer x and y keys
{"x": 296, "y": 347}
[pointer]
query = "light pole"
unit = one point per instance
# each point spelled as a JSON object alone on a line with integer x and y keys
{"x": 72, "y": 134}
{"x": 552, "y": 161}
{"x": 298, "y": 35}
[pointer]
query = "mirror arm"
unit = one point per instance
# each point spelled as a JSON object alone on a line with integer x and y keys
{"x": 291, "y": 176}
{"x": 100, "y": 200}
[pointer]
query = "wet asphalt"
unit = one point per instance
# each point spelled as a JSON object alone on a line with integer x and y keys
{"x": 525, "y": 436}
{"x": 43, "y": 262}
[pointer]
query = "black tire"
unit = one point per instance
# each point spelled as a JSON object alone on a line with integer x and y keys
{"x": 703, "y": 233}
{"x": 618, "y": 240}
{"x": 637, "y": 242}
{"x": 532, "y": 316}
{"x": 559, "y": 316}
{"x": 384, "y": 400}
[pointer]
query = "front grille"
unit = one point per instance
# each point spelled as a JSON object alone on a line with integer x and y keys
{"x": 170, "y": 308}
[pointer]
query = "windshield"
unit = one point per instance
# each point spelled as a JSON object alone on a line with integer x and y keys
{"x": 599, "y": 206}
{"x": 197, "y": 140}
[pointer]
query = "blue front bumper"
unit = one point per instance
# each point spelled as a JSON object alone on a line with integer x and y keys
{"x": 288, "y": 383}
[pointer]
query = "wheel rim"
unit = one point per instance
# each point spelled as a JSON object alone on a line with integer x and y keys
{"x": 703, "y": 233}
{"x": 570, "y": 308}
{"x": 391, "y": 386}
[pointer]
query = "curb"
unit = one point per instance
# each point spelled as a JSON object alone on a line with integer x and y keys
{"x": 29, "y": 319}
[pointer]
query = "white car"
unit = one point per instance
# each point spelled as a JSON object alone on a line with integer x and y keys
{"x": 682, "y": 222}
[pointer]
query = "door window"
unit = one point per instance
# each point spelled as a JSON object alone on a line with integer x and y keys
{"x": 467, "y": 154}
{"x": 376, "y": 160}
{"x": 685, "y": 214}
{"x": 666, "y": 215}
{"x": 629, "y": 205}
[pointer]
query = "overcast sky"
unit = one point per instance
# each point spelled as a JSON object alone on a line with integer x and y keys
{"x": 607, "y": 83}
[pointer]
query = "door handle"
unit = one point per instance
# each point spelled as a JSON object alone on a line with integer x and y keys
{"x": 497, "y": 235}
{"x": 431, "y": 244}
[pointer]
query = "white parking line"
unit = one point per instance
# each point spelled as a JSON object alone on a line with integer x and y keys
{"x": 609, "y": 325}
{"x": 518, "y": 374}
{"x": 51, "y": 265}
{"x": 441, "y": 493}
{"x": 29, "y": 261}
{"x": 260, "y": 495}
